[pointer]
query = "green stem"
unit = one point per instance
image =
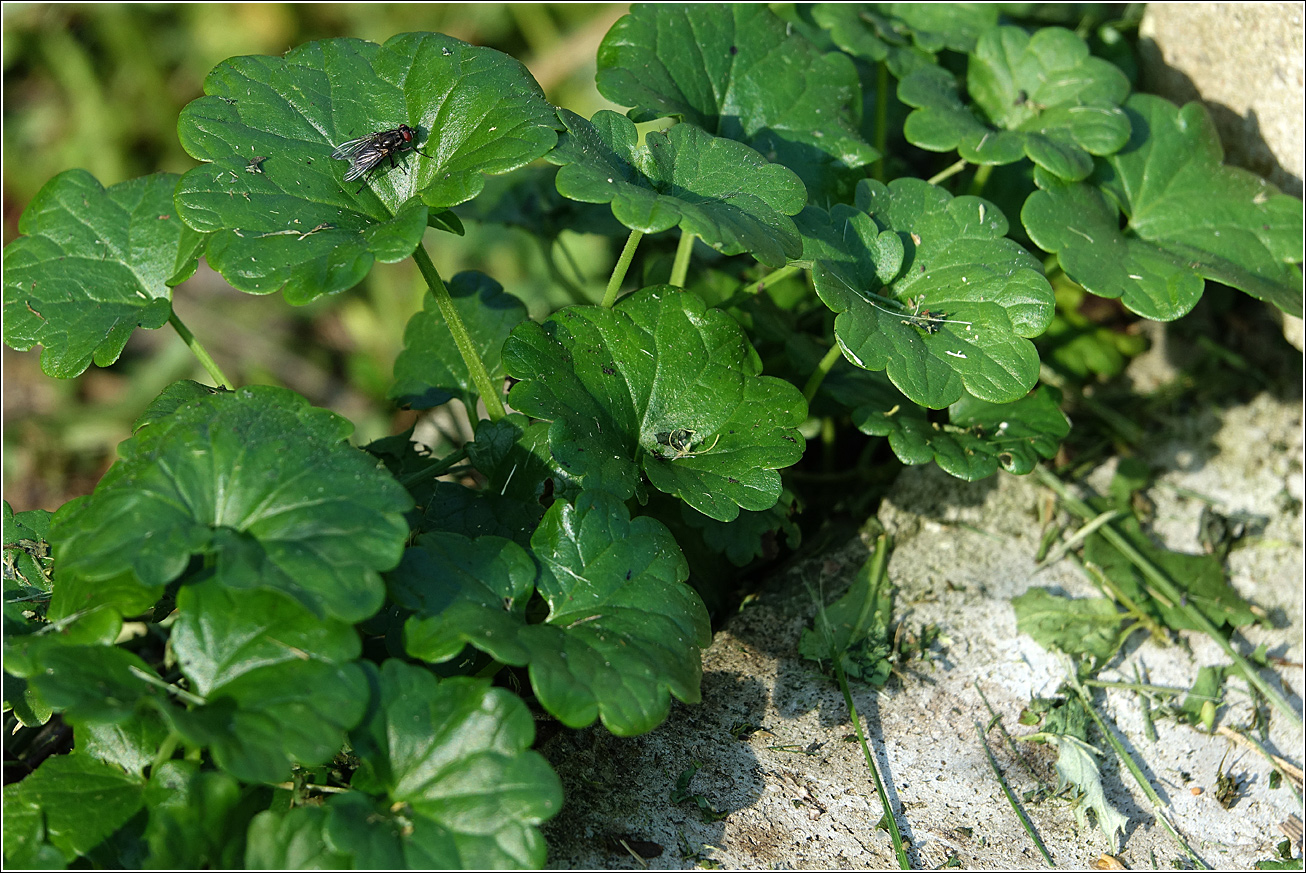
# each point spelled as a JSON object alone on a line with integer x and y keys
{"x": 947, "y": 172}
{"x": 1011, "y": 799}
{"x": 822, "y": 370}
{"x": 1110, "y": 588}
{"x": 475, "y": 367}
{"x": 1079, "y": 536}
{"x": 894, "y": 834}
{"x": 981, "y": 177}
{"x": 205, "y": 359}
{"x": 431, "y": 471}
{"x": 1162, "y": 587}
{"x": 680, "y": 267}
{"x": 1134, "y": 770}
{"x": 1145, "y": 708}
{"x": 770, "y": 279}
{"x": 623, "y": 265}
{"x": 881, "y": 118}
{"x": 166, "y": 748}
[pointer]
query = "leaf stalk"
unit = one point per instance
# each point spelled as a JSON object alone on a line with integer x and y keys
{"x": 475, "y": 366}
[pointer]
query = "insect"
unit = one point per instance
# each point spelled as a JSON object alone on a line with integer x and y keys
{"x": 680, "y": 441}
{"x": 366, "y": 153}
{"x": 925, "y": 319}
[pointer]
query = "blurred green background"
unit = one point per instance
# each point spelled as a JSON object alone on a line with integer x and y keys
{"x": 100, "y": 86}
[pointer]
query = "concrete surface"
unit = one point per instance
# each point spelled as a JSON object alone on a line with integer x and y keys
{"x": 797, "y": 795}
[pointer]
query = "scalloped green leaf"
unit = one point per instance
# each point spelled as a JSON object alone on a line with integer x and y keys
{"x": 1189, "y": 218}
{"x": 904, "y": 35}
{"x": 458, "y": 785}
{"x": 195, "y": 818}
{"x": 930, "y": 290}
{"x": 255, "y": 723}
{"x": 93, "y": 265}
{"x": 83, "y": 800}
{"x": 291, "y": 841}
{"x": 979, "y": 438}
{"x": 1043, "y": 97}
{"x": 623, "y": 634}
{"x": 221, "y": 634}
{"x": 289, "y": 220}
{"x": 664, "y": 384}
{"x": 268, "y": 718}
{"x": 751, "y": 535}
{"x": 716, "y": 188}
{"x": 742, "y": 73}
{"x": 258, "y": 480}
{"x": 131, "y": 744}
{"x": 461, "y": 589}
{"x": 25, "y": 846}
{"x": 430, "y": 371}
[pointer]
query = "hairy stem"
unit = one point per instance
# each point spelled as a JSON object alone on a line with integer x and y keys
{"x": 619, "y": 271}
{"x": 947, "y": 172}
{"x": 475, "y": 366}
{"x": 981, "y": 178}
{"x": 822, "y": 370}
{"x": 680, "y": 267}
{"x": 770, "y": 279}
{"x": 205, "y": 359}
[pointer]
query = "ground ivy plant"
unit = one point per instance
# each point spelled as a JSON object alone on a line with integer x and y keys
{"x": 276, "y": 649}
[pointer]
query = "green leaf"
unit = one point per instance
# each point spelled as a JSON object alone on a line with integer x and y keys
{"x": 461, "y": 589}
{"x": 196, "y": 821}
{"x": 84, "y": 800}
{"x": 659, "y": 382}
{"x": 430, "y": 371}
{"x": 92, "y": 266}
{"x": 96, "y": 626}
{"x": 513, "y": 456}
{"x": 257, "y": 479}
{"x": 462, "y": 789}
{"x": 103, "y": 684}
{"x": 751, "y": 535}
{"x": 1077, "y": 766}
{"x": 1189, "y": 219}
{"x": 1090, "y": 626}
{"x": 1206, "y": 693}
{"x": 26, "y": 554}
{"x": 172, "y": 398}
{"x": 260, "y": 723}
{"x": 130, "y": 744}
{"x": 716, "y": 188}
{"x": 1043, "y": 97}
{"x": 27, "y": 585}
{"x": 25, "y": 847}
{"x": 856, "y": 628}
{"x": 979, "y": 438}
{"x": 221, "y": 634}
{"x": 292, "y": 841}
{"x": 930, "y": 289}
{"x": 904, "y": 35}
{"x": 1201, "y": 578}
{"x": 623, "y": 632}
{"x": 740, "y": 72}
{"x": 295, "y": 223}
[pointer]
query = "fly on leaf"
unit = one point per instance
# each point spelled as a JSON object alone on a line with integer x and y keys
{"x": 367, "y": 152}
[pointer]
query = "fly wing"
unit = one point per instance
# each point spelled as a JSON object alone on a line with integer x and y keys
{"x": 364, "y": 160}
{"x": 347, "y": 150}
